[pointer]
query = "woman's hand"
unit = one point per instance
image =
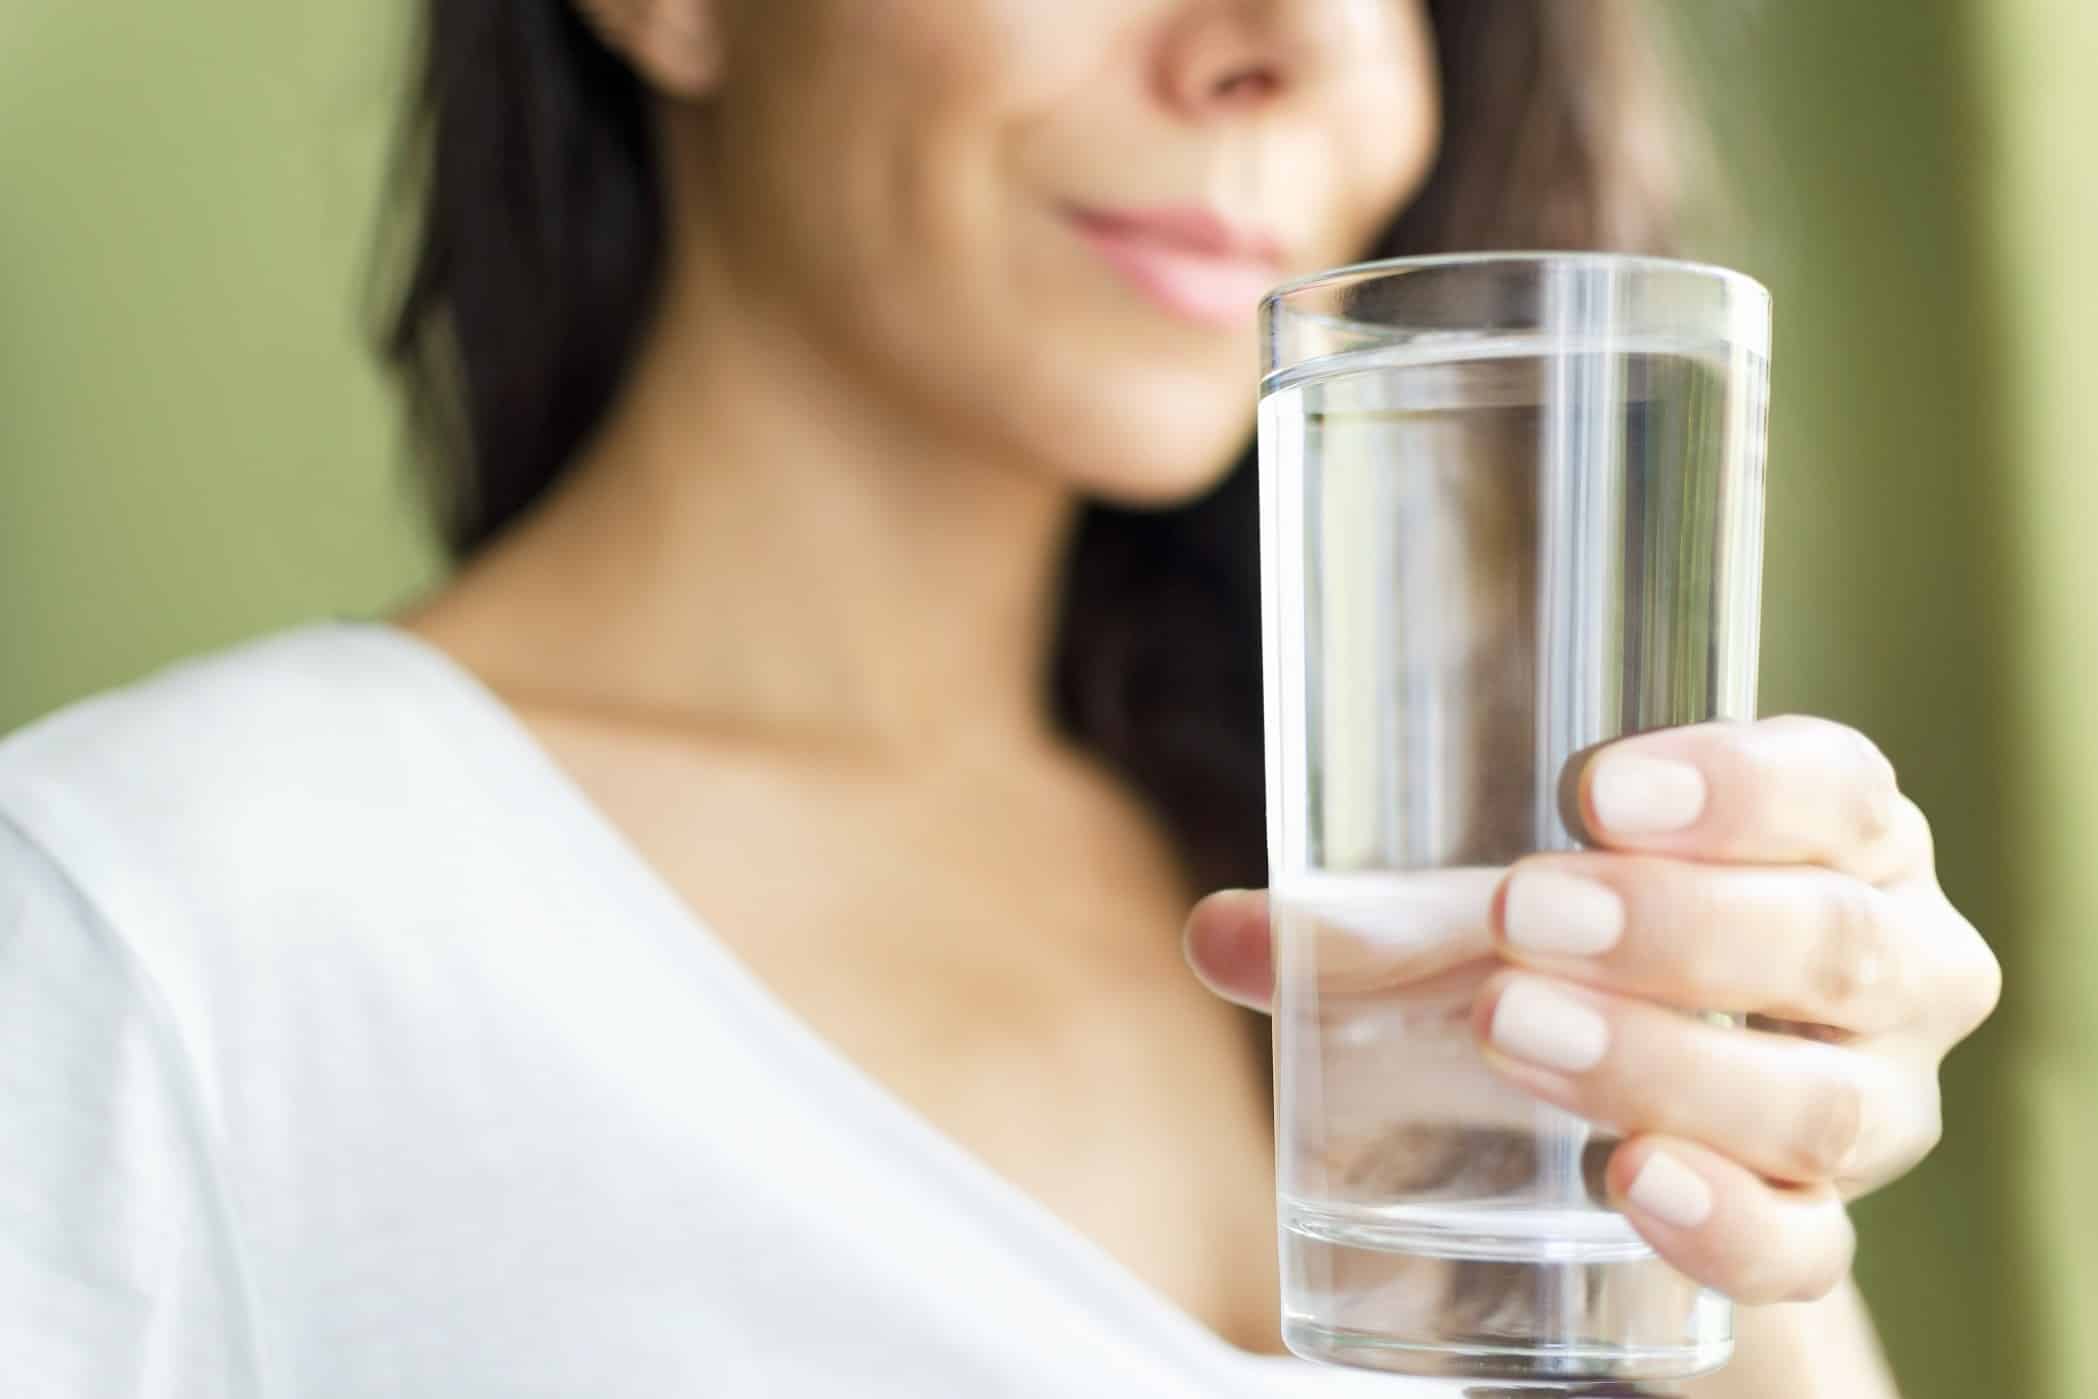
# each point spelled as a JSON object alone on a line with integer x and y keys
{"x": 1772, "y": 868}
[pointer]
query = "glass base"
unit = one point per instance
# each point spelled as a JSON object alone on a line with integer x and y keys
{"x": 1459, "y": 1359}
{"x": 1490, "y": 1308}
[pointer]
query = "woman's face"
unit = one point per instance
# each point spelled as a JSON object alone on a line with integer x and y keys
{"x": 1044, "y": 224}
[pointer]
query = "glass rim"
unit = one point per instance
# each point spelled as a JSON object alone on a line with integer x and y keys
{"x": 1279, "y": 297}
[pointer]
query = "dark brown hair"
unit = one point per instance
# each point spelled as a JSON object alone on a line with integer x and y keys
{"x": 529, "y": 178}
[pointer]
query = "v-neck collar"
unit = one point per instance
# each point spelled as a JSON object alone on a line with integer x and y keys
{"x": 518, "y": 770}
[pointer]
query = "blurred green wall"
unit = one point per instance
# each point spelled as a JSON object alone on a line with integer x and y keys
{"x": 2038, "y": 61}
{"x": 1917, "y": 186}
{"x": 1853, "y": 134}
{"x": 193, "y": 447}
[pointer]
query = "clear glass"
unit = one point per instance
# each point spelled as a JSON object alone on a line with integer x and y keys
{"x": 1511, "y": 507}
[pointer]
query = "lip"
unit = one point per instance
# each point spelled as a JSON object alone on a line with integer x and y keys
{"x": 1185, "y": 259}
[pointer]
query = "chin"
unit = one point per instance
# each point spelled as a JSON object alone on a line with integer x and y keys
{"x": 1149, "y": 442}
{"x": 1150, "y": 483}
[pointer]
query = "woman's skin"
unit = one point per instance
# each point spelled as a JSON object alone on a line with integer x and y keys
{"x": 787, "y": 623}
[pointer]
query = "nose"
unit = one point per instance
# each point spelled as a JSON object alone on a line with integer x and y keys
{"x": 1229, "y": 57}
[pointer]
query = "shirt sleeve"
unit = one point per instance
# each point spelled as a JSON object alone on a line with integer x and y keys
{"x": 118, "y": 1277}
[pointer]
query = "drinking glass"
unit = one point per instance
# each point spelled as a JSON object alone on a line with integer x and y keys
{"x": 1511, "y": 507}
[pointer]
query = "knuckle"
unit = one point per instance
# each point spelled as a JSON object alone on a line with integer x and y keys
{"x": 1827, "y": 1127}
{"x": 1875, "y": 768}
{"x": 1874, "y": 815}
{"x": 1754, "y": 758}
{"x": 1875, "y": 794}
{"x": 1852, "y": 962}
{"x": 1828, "y": 1266}
{"x": 1911, "y": 816}
{"x": 1755, "y": 768}
{"x": 1866, "y": 800}
{"x": 1982, "y": 983}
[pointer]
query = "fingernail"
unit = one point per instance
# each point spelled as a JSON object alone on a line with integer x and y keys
{"x": 1640, "y": 796}
{"x": 1561, "y": 914}
{"x": 1671, "y": 1192}
{"x": 1534, "y": 1022}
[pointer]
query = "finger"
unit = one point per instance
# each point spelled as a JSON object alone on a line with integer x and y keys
{"x": 1790, "y": 790}
{"x": 1786, "y": 1108}
{"x": 1348, "y": 934}
{"x": 1967, "y": 969}
{"x": 1720, "y": 1225}
{"x": 1793, "y": 942}
{"x": 1226, "y": 942}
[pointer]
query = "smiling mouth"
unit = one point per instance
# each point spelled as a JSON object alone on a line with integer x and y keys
{"x": 1185, "y": 260}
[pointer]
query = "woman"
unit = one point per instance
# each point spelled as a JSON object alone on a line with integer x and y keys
{"x": 720, "y": 942}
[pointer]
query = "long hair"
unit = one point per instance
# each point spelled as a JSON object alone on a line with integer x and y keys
{"x": 528, "y": 180}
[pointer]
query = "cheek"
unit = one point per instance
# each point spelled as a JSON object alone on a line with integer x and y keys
{"x": 1385, "y": 129}
{"x": 868, "y": 133}
{"x": 843, "y": 166}
{"x": 875, "y": 187}
{"x": 1385, "y": 175}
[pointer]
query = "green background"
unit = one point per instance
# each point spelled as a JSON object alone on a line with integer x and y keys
{"x": 196, "y": 447}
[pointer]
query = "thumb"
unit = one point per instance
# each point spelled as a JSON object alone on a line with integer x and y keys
{"x": 1366, "y": 934}
{"x": 1226, "y": 941}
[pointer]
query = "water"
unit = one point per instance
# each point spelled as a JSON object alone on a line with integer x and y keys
{"x": 1481, "y": 561}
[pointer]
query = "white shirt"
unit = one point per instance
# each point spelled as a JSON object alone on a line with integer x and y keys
{"x": 347, "y": 1051}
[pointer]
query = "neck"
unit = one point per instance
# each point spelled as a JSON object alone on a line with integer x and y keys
{"x": 755, "y": 541}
